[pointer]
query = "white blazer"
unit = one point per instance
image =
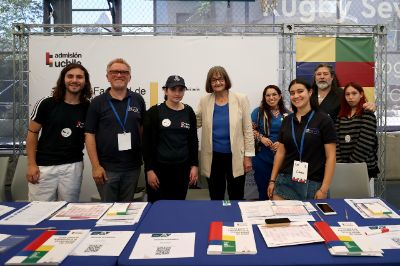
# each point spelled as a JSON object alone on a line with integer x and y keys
{"x": 240, "y": 130}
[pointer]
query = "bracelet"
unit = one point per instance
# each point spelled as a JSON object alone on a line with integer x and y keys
{"x": 323, "y": 192}
{"x": 272, "y": 181}
{"x": 34, "y": 132}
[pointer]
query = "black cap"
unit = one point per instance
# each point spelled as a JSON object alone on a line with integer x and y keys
{"x": 174, "y": 81}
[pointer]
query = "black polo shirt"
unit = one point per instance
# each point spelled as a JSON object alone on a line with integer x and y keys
{"x": 320, "y": 131}
{"x": 102, "y": 122}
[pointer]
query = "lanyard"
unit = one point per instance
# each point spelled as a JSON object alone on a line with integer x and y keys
{"x": 302, "y": 136}
{"x": 117, "y": 116}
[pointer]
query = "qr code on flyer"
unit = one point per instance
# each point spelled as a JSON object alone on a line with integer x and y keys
{"x": 93, "y": 248}
{"x": 163, "y": 251}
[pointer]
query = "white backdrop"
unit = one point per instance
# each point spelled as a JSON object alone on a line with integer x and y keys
{"x": 251, "y": 62}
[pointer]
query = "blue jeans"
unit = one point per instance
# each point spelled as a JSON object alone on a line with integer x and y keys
{"x": 120, "y": 186}
{"x": 292, "y": 190}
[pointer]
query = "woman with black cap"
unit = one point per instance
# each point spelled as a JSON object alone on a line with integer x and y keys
{"x": 170, "y": 145}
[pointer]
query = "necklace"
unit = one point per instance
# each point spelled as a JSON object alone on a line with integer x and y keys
{"x": 275, "y": 113}
{"x": 320, "y": 98}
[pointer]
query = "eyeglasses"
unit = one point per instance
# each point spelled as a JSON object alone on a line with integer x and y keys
{"x": 121, "y": 72}
{"x": 272, "y": 95}
{"x": 213, "y": 81}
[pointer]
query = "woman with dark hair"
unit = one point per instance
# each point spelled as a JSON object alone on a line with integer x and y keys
{"x": 356, "y": 129}
{"x": 227, "y": 142}
{"x": 170, "y": 145}
{"x": 306, "y": 156}
{"x": 267, "y": 120}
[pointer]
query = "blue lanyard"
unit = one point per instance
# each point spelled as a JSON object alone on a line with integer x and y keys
{"x": 117, "y": 116}
{"x": 302, "y": 136}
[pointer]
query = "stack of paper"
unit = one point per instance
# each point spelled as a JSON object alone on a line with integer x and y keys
{"x": 122, "y": 214}
{"x": 4, "y": 209}
{"x": 257, "y": 211}
{"x": 346, "y": 241}
{"x": 82, "y": 211}
{"x": 33, "y": 213}
{"x": 383, "y": 236}
{"x": 164, "y": 246}
{"x": 372, "y": 208}
{"x": 50, "y": 248}
{"x": 296, "y": 233}
{"x": 236, "y": 238}
{"x": 103, "y": 243}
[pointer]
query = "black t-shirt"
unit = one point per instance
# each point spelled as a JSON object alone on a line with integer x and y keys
{"x": 175, "y": 141}
{"x": 174, "y": 134}
{"x": 102, "y": 122}
{"x": 320, "y": 131}
{"x": 331, "y": 103}
{"x": 62, "y": 136}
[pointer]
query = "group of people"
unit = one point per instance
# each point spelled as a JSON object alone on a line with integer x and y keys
{"x": 328, "y": 125}
{"x": 293, "y": 154}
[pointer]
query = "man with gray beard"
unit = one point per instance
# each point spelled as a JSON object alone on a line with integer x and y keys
{"x": 327, "y": 91}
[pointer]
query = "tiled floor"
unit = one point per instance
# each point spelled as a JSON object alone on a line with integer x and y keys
{"x": 198, "y": 194}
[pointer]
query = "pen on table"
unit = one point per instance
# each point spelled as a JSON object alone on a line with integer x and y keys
{"x": 319, "y": 216}
{"x": 346, "y": 214}
{"x": 380, "y": 230}
{"x": 41, "y": 228}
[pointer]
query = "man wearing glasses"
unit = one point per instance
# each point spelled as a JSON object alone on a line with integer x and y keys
{"x": 113, "y": 135}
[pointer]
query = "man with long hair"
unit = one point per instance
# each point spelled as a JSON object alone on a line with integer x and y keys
{"x": 55, "y": 159}
{"x": 113, "y": 135}
{"x": 327, "y": 91}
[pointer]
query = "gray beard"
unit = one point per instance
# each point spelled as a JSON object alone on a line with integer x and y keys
{"x": 322, "y": 85}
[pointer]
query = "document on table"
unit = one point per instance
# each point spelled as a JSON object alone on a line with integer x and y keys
{"x": 103, "y": 243}
{"x": 372, "y": 208}
{"x": 33, "y": 213}
{"x": 383, "y": 236}
{"x": 257, "y": 211}
{"x": 9, "y": 241}
{"x": 164, "y": 246}
{"x": 82, "y": 211}
{"x": 49, "y": 248}
{"x": 295, "y": 233}
{"x": 355, "y": 242}
{"x": 4, "y": 209}
{"x": 132, "y": 215}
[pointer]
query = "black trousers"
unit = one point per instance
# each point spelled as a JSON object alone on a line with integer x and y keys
{"x": 221, "y": 175}
{"x": 174, "y": 182}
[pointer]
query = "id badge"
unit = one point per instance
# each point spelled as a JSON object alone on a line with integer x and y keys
{"x": 124, "y": 141}
{"x": 300, "y": 170}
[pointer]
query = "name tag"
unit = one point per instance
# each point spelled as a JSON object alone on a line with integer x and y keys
{"x": 300, "y": 170}
{"x": 124, "y": 141}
